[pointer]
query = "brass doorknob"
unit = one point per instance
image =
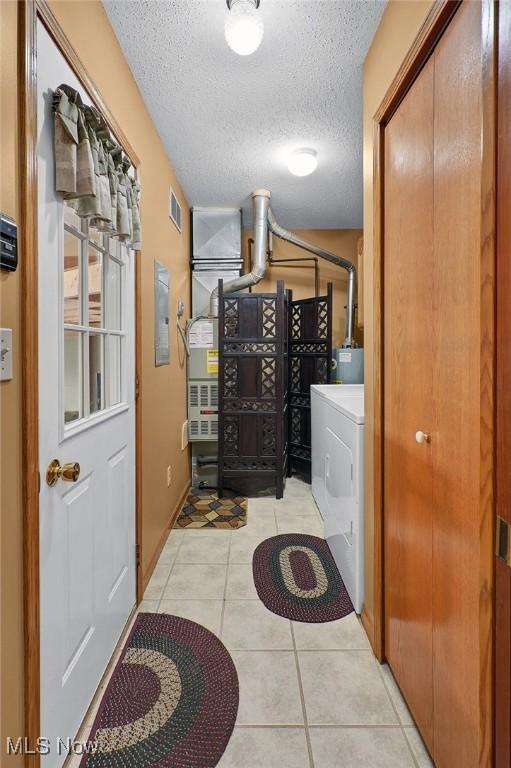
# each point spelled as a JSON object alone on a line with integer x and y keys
{"x": 69, "y": 472}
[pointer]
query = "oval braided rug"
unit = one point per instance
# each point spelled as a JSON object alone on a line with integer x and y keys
{"x": 296, "y": 577}
{"x": 171, "y": 702}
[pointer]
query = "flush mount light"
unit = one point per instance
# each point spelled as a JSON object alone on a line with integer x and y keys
{"x": 303, "y": 162}
{"x": 244, "y": 26}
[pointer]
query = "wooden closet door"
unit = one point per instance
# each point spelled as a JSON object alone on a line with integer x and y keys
{"x": 408, "y": 346}
{"x": 458, "y": 467}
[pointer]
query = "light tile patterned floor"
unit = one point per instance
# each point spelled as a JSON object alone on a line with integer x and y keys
{"x": 311, "y": 695}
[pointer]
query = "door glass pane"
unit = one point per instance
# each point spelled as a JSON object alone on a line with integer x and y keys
{"x": 95, "y": 277}
{"x": 113, "y": 296}
{"x": 72, "y": 246}
{"x": 114, "y": 369}
{"x": 114, "y": 248}
{"x": 96, "y": 236}
{"x": 96, "y": 368}
{"x": 71, "y": 218}
{"x": 72, "y": 376}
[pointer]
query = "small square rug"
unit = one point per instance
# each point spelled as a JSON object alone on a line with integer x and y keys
{"x": 203, "y": 509}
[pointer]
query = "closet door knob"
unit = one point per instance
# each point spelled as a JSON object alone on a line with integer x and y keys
{"x": 422, "y": 437}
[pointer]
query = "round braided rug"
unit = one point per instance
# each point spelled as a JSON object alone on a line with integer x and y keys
{"x": 171, "y": 702}
{"x": 296, "y": 576}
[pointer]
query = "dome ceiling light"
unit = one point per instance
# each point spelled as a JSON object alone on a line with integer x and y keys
{"x": 303, "y": 162}
{"x": 244, "y": 27}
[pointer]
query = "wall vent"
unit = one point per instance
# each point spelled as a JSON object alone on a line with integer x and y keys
{"x": 194, "y": 396}
{"x": 175, "y": 210}
{"x": 202, "y": 410}
{"x": 204, "y": 395}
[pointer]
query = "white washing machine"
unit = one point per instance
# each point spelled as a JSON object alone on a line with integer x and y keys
{"x": 337, "y": 443}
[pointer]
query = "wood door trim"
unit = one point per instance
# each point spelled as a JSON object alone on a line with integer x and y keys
{"x": 427, "y": 37}
{"x": 503, "y": 409}
{"x": 28, "y": 13}
{"x": 487, "y": 381}
{"x": 422, "y": 47}
{"x": 63, "y": 44}
{"x": 29, "y": 374}
{"x": 138, "y": 426}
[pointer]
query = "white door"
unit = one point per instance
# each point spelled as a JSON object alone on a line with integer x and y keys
{"x": 86, "y": 415}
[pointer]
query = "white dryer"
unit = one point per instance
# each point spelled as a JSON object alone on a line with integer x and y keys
{"x": 337, "y": 444}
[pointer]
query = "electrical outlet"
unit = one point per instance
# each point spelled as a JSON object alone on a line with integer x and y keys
{"x": 169, "y": 476}
{"x": 184, "y": 435}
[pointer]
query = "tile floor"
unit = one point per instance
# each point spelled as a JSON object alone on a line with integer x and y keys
{"x": 311, "y": 695}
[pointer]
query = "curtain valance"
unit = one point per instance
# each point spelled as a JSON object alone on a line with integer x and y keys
{"x": 91, "y": 170}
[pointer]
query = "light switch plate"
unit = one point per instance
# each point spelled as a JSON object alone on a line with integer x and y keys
{"x": 5, "y": 354}
{"x": 184, "y": 435}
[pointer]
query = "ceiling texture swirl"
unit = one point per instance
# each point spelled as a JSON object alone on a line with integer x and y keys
{"x": 229, "y": 122}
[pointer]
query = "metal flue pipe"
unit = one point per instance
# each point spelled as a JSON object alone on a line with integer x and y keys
{"x": 284, "y": 234}
{"x": 261, "y": 205}
{"x": 264, "y": 220}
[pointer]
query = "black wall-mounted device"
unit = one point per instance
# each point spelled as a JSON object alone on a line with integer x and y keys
{"x": 8, "y": 243}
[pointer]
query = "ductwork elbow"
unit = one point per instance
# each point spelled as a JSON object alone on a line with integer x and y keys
{"x": 213, "y": 303}
{"x": 261, "y": 204}
{"x": 290, "y": 237}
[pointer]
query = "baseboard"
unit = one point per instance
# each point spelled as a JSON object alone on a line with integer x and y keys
{"x": 368, "y": 625}
{"x": 172, "y": 519}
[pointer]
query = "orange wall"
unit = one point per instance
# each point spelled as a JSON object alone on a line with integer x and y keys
{"x": 11, "y": 594}
{"x": 342, "y": 242}
{"x": 163, "y": 389}
{"x": 399, "y": 25}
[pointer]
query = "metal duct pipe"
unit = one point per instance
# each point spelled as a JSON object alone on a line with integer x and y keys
{"x": 284, "y": 234}
{"x": 261, "y": 205}
{"x": 296, "y": 260}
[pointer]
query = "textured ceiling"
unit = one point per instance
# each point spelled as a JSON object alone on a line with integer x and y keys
{"x": 229, "y": 122}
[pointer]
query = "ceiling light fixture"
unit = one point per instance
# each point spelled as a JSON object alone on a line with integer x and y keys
{"x": 303, "y": 162}
{"x": 244, "y": 27}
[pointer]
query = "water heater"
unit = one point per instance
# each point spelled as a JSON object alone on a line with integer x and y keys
{"x": 348, "y": 366}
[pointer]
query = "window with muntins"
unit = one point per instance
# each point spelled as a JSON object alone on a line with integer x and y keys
{"x": 93, "y": 291}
